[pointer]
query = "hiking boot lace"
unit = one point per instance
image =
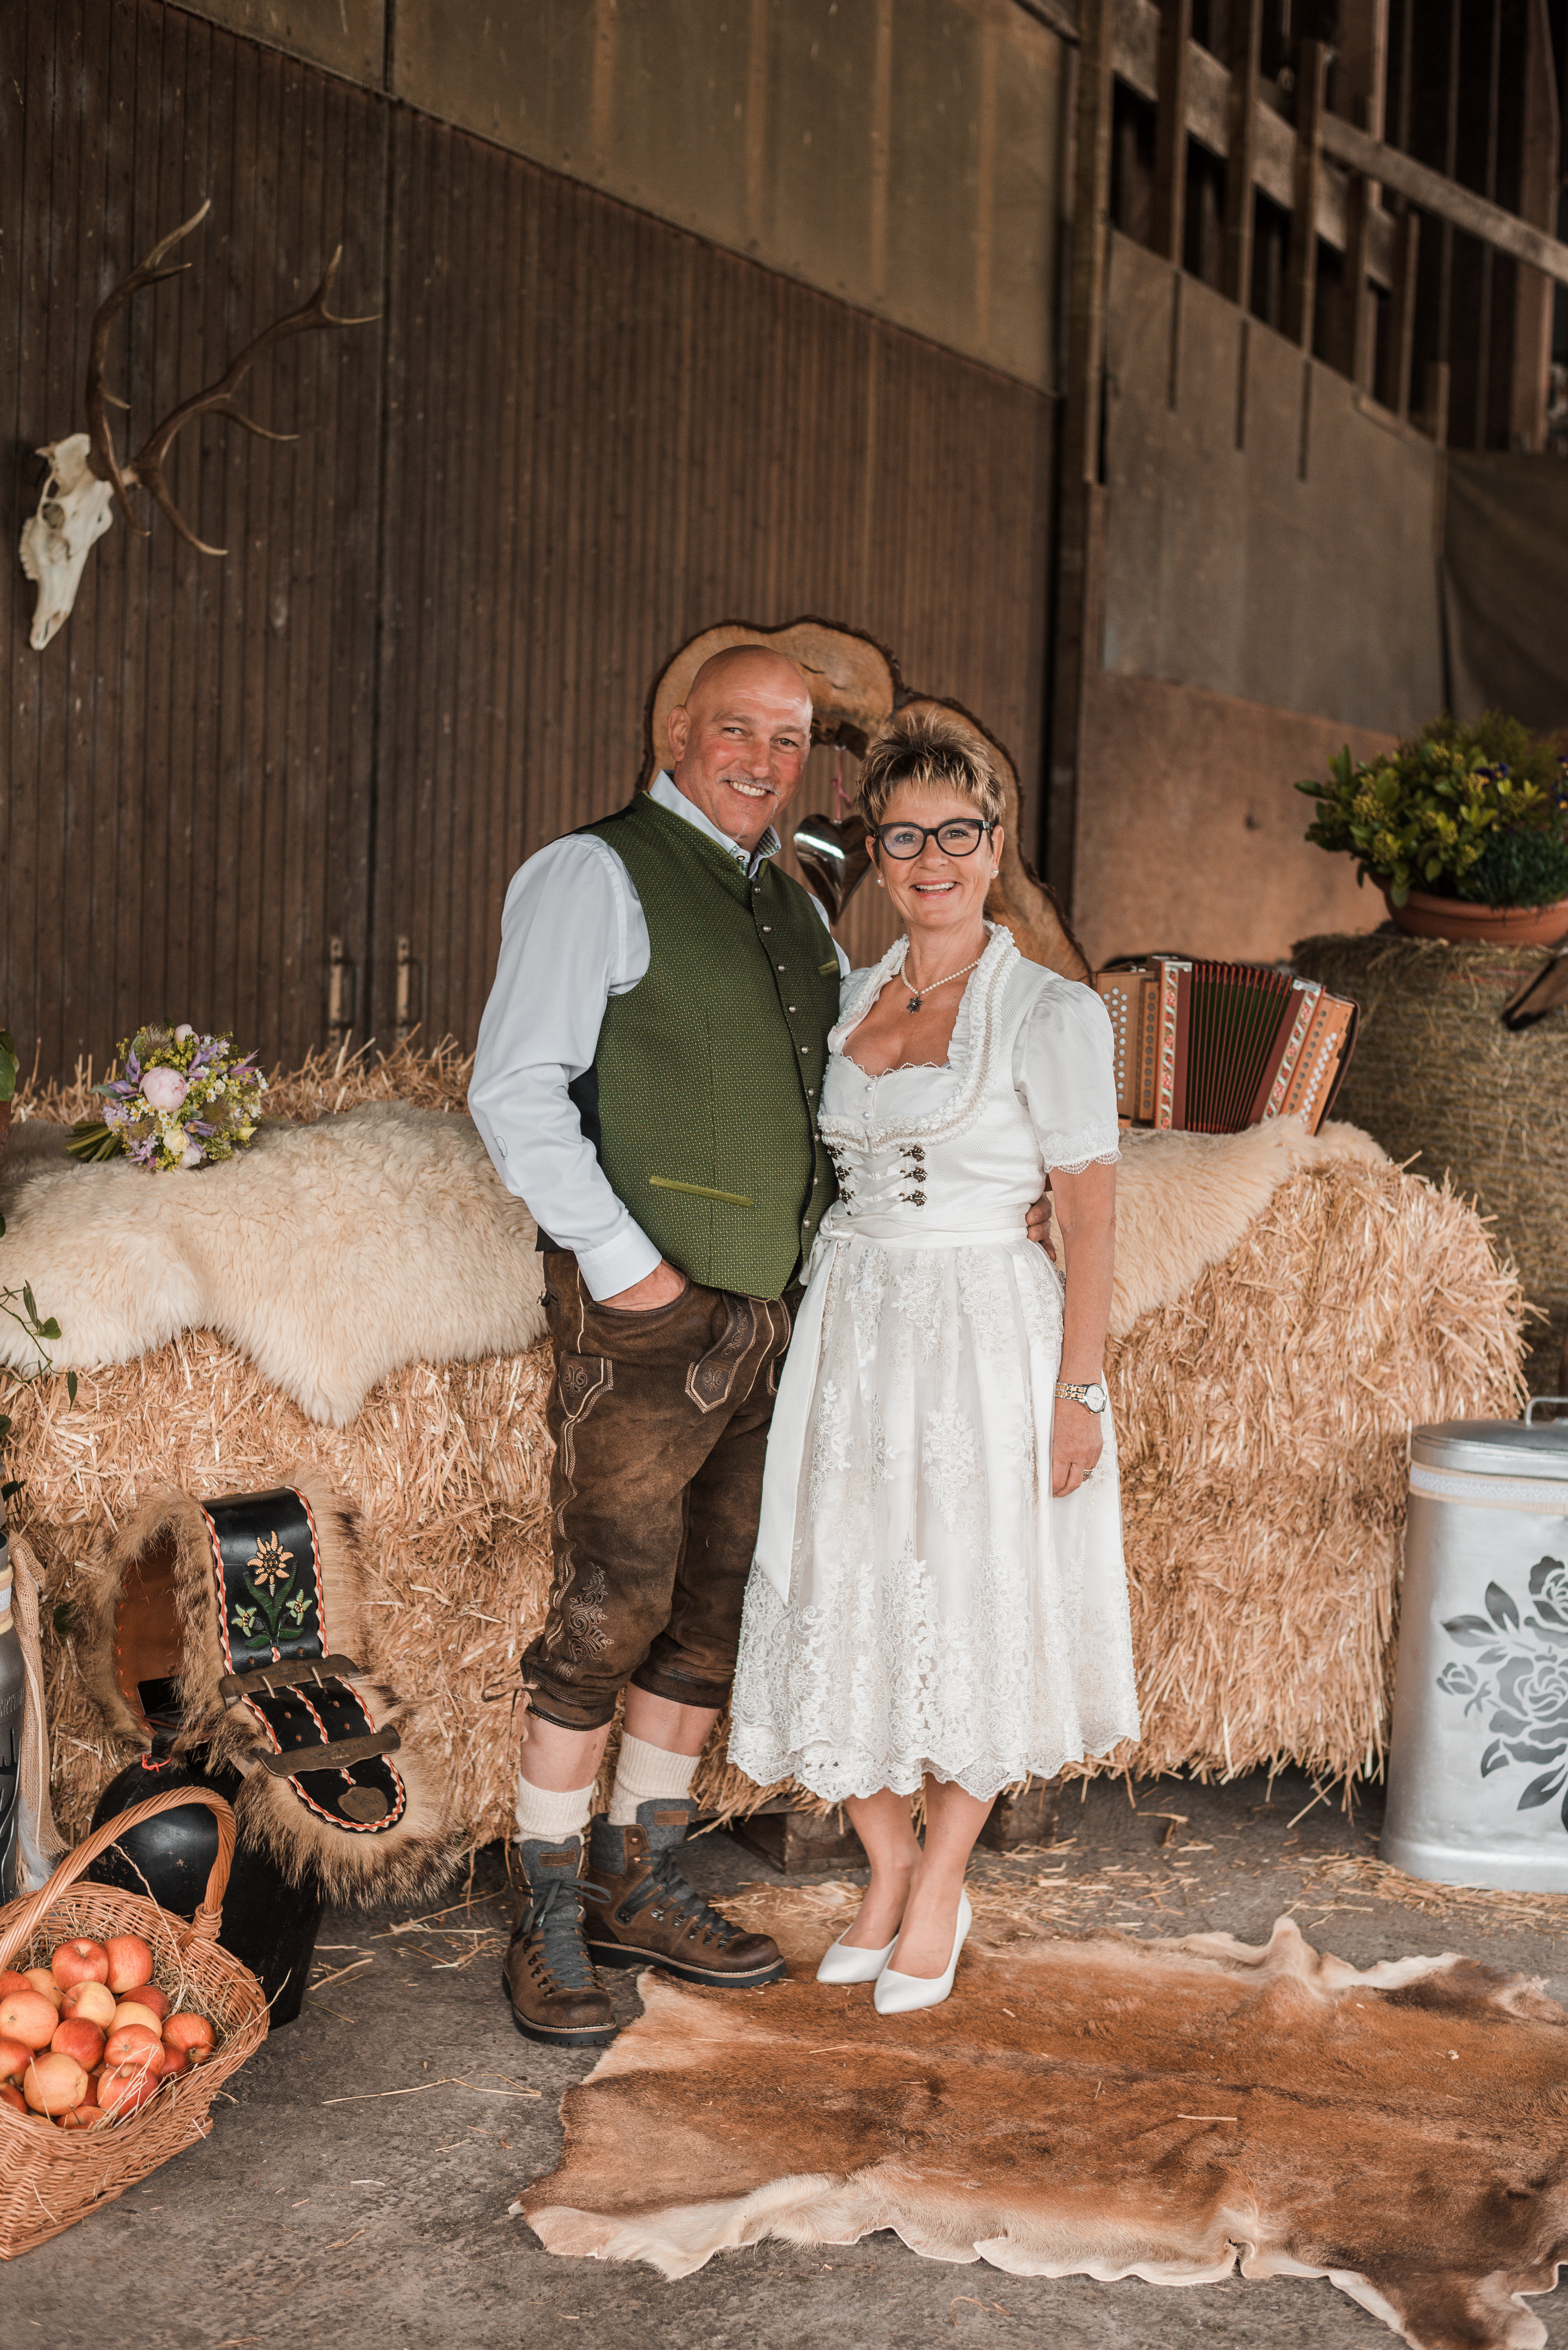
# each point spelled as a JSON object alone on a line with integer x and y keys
{"x": 675, "y": 1897}
{"x": 554, "y": 1924}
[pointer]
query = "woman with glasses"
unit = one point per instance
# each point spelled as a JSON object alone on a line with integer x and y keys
{"x": 939, "y": 1597}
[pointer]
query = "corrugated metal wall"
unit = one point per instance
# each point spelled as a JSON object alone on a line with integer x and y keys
{"x": 577, "y": 437}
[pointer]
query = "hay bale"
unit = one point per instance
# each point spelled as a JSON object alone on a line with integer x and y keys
{"x": 1436, "y": 1072}
{"x": 1262, "y": 1420}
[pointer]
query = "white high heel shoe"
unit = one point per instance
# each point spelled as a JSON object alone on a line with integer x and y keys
{"x": 898, "y": 1994}
{"x": 840, "y": 1964}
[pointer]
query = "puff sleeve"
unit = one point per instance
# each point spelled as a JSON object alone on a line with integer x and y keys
{"x": 1063, "y": 1073}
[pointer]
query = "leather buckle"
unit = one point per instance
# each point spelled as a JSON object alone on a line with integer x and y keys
{"x": 264, "y": 1680}
{"x": 300, "y": 1761}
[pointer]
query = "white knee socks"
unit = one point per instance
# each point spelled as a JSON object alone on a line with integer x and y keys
{"x": 643, "y": 1772}
{"x": 545, "y": 1817}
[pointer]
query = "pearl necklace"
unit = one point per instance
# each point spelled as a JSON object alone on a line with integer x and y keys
{"x": 916, "y": 1000}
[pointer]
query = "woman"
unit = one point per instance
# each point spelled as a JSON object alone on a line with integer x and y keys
{"x": 939, "y": 1593}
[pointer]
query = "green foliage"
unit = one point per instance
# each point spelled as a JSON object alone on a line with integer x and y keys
{"x": 8, "y": 1065}
{"x": 1477, "y": 812}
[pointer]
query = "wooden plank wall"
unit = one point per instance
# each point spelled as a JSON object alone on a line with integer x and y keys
{"x": 577, "y": 437}
{"x": 187, "y": 784}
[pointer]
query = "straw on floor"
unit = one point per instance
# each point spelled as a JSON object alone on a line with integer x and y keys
{"x": 1262, "y": 1420}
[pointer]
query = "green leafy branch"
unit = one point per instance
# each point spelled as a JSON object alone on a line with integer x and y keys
{"x": 23, "y": 1308}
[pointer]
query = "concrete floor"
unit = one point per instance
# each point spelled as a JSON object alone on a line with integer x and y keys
{"x": 321, "y": 2211}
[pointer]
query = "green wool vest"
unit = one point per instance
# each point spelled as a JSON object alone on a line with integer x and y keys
{"x": 709, "y": 1071}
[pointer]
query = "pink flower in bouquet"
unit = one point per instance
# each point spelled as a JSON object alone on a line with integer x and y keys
{"x": 192, "y": 1155}
{"x": 164, "y": 1089}
{"x": 183, "y": 1031}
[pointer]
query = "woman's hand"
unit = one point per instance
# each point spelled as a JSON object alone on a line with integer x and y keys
{"x": 1077, "y": 1444}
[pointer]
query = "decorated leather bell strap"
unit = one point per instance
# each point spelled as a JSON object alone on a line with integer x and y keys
{"x": 272, "y": 1614}
{"x": 267, "y": 1564}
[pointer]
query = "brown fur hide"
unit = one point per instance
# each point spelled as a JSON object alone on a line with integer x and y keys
{"x": 1103, "y": 2107}
{"x": 153, "y": 1613}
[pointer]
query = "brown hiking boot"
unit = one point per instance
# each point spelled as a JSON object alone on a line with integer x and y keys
{"x": 548, "y": 1975}
{"x": 640, "y": 1910}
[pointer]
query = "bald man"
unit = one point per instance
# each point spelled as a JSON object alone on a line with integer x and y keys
{"x": 648, "y": 1071}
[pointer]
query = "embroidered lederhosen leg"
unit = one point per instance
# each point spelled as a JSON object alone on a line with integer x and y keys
{"x": 272, "y": 1622}
{"x": 640, "y": 1405}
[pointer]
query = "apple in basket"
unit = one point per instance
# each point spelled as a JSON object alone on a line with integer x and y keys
{"x": 42, "y": 1980}
{"x": 134, "y": 2044}
{"x": 53, "y": 2084}
{"x": 29, "y": 2017}
{"x": 79, "y": 1961}
{"x": 122, "y": 2089}
{"x": 15, "y": 2059}
{"x": 93, "y": 2003}
{"x": 129, "y": 1963}
{"x": 74, "y": 2036}
{"x": 149, "y": 1996}
{"x": 13, "y": 2098}
{"x": 130, "y": 2011}
{"x": 191, "y": 2034}
{"x": 11, "y": 1981}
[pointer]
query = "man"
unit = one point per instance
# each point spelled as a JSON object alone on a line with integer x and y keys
{"x": 648, "y": 1076}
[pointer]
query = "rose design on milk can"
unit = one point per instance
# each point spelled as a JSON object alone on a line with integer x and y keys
{"x": 1519, "y": 1680}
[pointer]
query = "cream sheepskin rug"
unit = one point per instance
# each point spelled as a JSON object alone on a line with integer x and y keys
{"x": 334, "y": 1253}
{"x": 330, "y": 1255}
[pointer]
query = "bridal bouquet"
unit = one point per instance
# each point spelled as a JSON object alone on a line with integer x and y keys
{"x": 183, "y": 1101}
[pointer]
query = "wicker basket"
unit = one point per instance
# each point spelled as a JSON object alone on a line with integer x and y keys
{"x": 49, "y": 2178}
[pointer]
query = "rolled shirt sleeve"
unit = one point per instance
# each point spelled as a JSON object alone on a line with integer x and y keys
{"x": 572, "y": 935}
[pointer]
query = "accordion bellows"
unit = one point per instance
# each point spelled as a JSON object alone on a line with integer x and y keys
{"x": 249, "y": 1609}
{"x": 1211, "y": 1048}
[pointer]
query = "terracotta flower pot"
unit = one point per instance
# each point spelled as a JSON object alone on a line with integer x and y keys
{"x": 1463, "y": 924}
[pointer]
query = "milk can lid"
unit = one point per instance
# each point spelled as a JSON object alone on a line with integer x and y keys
{"x": 1495, "y": 1448}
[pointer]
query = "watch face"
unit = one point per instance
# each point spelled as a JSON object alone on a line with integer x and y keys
{"x": 1094, "y": 1397}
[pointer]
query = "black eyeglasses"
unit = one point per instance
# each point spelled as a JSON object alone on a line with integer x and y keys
{"x": 961, "y": 836}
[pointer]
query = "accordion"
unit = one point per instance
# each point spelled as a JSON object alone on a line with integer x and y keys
{"x": 1211, "y": 1047}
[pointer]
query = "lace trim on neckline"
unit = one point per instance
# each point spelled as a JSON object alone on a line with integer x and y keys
{"x": 970, "y": 1052}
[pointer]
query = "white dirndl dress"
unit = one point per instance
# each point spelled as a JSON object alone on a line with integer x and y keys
{"x": 919, "y": 1600}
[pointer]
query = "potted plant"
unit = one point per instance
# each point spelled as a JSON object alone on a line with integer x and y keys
{"x": 1463, "y": 829}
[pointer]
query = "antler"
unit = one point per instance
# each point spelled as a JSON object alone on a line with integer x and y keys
{"x": 218, "y": 399}
{"x": 101, "y": 458}
{"x": 145, "y": 470}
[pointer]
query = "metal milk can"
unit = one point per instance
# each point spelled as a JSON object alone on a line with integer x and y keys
{"x": 1478, "y": 1773}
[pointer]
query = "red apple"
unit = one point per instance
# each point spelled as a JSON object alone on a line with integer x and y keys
{"x": 123, "y": 2087}
{"x": 130, "y": 1962}
{"x": 147, "y": 1995}
{"x": 133, "y": 2044}
{"x": 28, "y": 2016}
{"x": 76, "y": 2037}
{"x": 175, "y": 2062}
{"x": 40, "y": 1980}
{"x": 79, "y": 1961}
{"x": 83, "y": 2117}
{"x": 13, "y": 2097}
{"x": 14, "y": 2058}
{"x": 53, "y": 2084}
{"x": 130, "y": 2011}
{"x": 193, "y": 2033}
{"x": 94, "y": 2002}
{"x": 11, "y": 1981}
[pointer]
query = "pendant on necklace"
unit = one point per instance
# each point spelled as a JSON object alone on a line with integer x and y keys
{"x": 914, "y": 1003}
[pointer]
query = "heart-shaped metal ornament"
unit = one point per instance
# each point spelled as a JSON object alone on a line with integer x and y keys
{"x": 834, "y": 856}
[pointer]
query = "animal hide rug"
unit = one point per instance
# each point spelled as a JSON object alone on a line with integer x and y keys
{"x": 337, "y": 1253}
{"x": 330, "y": 1253}
{"x": 1109, "y": 2108}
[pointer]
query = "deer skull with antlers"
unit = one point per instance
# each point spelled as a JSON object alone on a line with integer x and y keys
{"x": 86, "y": 478}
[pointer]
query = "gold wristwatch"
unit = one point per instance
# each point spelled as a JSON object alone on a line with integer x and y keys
{"x": 1094, "y": 1395}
